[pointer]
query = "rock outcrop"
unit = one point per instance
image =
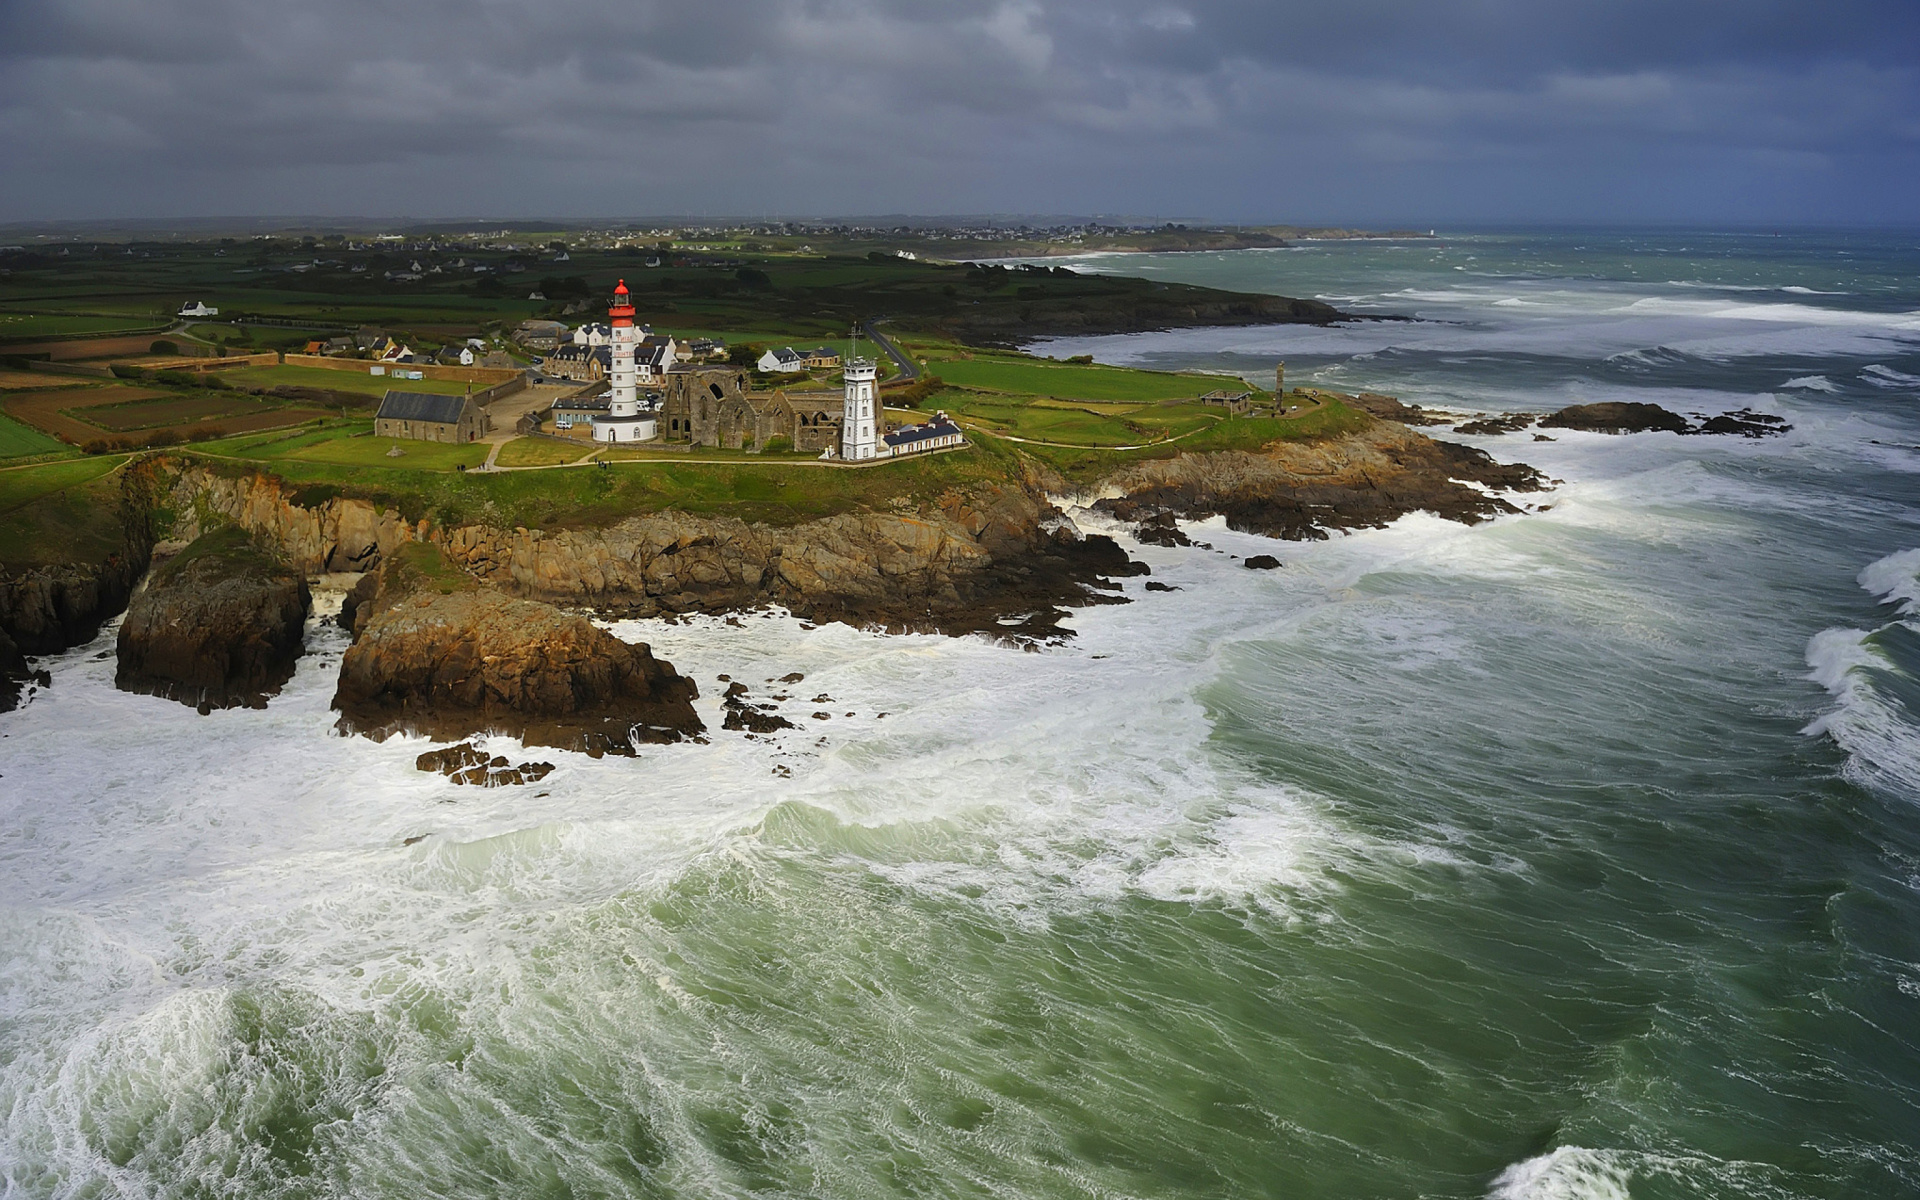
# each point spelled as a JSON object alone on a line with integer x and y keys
{"x": 220, "y": 625}
{"x": 437, "y": 653}
{"x": 468, "y": 764}
{"x": 1299, "y": 490}
{"x": 1616, "y": 416}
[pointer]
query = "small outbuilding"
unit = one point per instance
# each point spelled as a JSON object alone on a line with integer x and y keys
{"x": 425, "y": 417}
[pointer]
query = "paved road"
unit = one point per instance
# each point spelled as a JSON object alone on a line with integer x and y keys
{"x": 909, "y": 369}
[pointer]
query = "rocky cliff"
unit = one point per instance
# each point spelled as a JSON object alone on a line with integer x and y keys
{"x": 1302, "y": 489}
{"x": 956, "y": 566}
{"x": 59, "y": 601}
{"x": 437, "y": 653}
{"x": 218, "y": 626}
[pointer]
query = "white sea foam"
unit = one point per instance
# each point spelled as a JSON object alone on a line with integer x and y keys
{"x": 1579, "y": 1173}
{"x": 1811, "y": 383}
{"x": 1895, "y": 578}
{"x": 1869, "y": 720}
{"x": 1568, "y": 1173}
{"x": 1887, "y": 377}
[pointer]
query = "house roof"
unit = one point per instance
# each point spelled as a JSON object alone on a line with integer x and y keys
{"x": 920, "y": 433}
{"x": 422, "y": 406}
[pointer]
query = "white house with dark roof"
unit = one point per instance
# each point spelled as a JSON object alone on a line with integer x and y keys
{"x": 785, "y": 360}
{"x": 936, "y": 434}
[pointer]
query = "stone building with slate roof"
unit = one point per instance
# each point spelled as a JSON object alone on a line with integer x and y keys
{"x": 425, "y": 417}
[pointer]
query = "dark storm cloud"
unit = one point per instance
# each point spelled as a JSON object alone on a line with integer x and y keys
{"x": 1363, "y": 110}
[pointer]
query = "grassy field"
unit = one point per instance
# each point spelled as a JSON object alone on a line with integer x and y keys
{"x": 541, "y": 452}
{"x": 1251, "y": 434}
{"x": 340, "y": 381}
{"x": 349, "y": 443}
{"x": 1072, "y": 381}
{"x": 1063, "y": 421}
{"x": 25, "y": 484}
{"x": 24, "y": 441}
{"x": 60, "y": 512}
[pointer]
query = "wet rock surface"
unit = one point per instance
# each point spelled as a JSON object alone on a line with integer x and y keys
{"x": 744, "y": 716}
{"x": 1160, "y": 529}
{"x": 436, "y": 653}
{"x": 1744, "y": 422}
{"x": 1616, "y": 417}
{"x": 1390, "y": 408}
{"x": 1261, "y": 562}
{"x": 220, "y": 625}
{"x": 1626, "y": 417}
{"x": 468, "y": 764}
{"x": 1485, "y": 426}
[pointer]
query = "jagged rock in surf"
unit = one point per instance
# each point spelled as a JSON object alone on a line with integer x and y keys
{"x": 220, "y": 625}
{"x": 439, "y": 654}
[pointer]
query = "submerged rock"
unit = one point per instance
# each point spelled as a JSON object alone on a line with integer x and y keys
{"x": 218, "y": 626}
{"x": 437, "y": 653}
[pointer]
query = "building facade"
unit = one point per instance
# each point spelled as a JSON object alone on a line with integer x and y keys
{"x": 858, "y": 440}
{"x": 424, "y": 417}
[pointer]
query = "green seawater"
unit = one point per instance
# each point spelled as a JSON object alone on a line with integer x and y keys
{"x": 1573, "y": 855}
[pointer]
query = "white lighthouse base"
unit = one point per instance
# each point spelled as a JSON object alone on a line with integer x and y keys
{"x": 621, "y": 430}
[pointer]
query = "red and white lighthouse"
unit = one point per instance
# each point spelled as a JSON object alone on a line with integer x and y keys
{"x": 623, "y": 422}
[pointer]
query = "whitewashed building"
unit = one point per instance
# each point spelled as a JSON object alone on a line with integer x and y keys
{"x": 857, "y": 432}
{"x": 782, "y": 361}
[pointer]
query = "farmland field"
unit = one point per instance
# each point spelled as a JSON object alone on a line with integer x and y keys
{"x": 74, "y": 349}
{"x": 49, "y": 325}
{"x": 341, "y": 381}
{"x": 83, "y": 416}
{"x": 34, "y": 381}
{"x": 21, "y": 441}
{"x": 161, "y": 412}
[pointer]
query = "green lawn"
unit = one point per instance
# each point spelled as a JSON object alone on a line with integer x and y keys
{"x": 541, "y": 452}
{"x": 341, "y": 381}
{"x": 374, "y": 452}
{"x": 61, "y": 512}
{"x": 1332, "y": 419}
{"x": 22, "y": 441}
{"x": 24, "y": 484}
{"x": 1038, "y": 377}
{"x": 336, "y": 443}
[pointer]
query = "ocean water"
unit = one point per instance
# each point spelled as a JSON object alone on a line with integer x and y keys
{"x": 1574, "y": 855}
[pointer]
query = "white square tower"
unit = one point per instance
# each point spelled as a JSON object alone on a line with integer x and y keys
{"x": 858, "y": 435}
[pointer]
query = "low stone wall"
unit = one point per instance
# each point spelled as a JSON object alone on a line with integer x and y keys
{"x": 482, "y": 375}
{"x": 91, "y": 370}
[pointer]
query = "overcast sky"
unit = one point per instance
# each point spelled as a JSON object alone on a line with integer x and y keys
{"x": 1424, "y": 112}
